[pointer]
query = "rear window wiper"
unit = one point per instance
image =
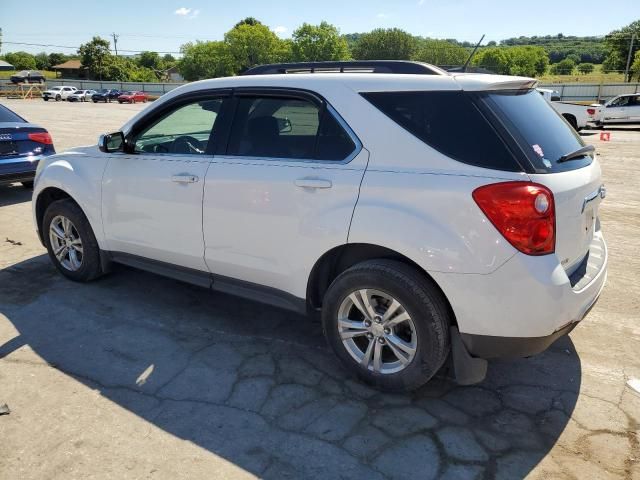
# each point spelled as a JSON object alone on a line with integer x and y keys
{"x": 581, "y": 152}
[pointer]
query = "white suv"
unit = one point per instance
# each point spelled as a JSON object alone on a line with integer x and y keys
{"x": 58, "y": 93}
{"x": 422, "y": 212}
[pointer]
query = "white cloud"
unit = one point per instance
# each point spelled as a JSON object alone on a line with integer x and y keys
{"x": 280, "y": 29}
{"x": 187, "y": 12}
{"x": 382, "y": 15}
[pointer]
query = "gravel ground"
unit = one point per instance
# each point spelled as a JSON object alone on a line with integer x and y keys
{"x": 138, "y": 376}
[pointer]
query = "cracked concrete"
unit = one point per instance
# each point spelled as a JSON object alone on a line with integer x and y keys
{"x": 138, "y": 376}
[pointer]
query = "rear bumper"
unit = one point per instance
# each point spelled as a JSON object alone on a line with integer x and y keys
{"x": 21, "y": 169}
{"x": 525, "y": 305}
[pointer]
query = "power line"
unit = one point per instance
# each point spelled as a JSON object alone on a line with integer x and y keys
{"x": 72, "y": 48}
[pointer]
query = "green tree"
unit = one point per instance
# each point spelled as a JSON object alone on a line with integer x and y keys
{"x": 635, "y": 66}
{"x": 385, "y": 44}
{"x": 42, "y": 61}
{"x": 528, "y": 61}
{"x": 494, "y": 59}
{"x": 149, "y": 60}
{"x": 57, "y": 58}
{"x": 94, "y": 55}
{"x": 564, "y": 67}
{"x": 21, "y": 60}
{"x": 585, "y": 68}
{"x": 441, "y": 52}
{"x": 248, "y": 21}
{"x": 206, "y": 60}
{"x": 251, "y": 45}
{"x": 617, "y": 45}
{"x": 318, "y": 43}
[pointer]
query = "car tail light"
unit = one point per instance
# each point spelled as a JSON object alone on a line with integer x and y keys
{"x": 591, "y": 111}
{"x": 41, "y": 137}
{"x": 523, "y": 212}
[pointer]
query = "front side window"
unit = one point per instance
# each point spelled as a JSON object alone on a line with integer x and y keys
{"x": 186, "y": 130}
{"x": 281, "y": 127}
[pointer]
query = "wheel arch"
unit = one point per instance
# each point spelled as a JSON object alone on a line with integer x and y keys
{"x": 340, "y": 258}
{"x": 45, "y": 198}
{"x": 569, "y": 117}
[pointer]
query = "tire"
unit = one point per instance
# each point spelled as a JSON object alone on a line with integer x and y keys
{"x": 429, "y": 319}
{"x": 28, "y": 185}
{"x": 46, "y": 99}
{"x": 58, "y": 98}
{"x": 89, "y": 268}
{"x": 572, "y": 121}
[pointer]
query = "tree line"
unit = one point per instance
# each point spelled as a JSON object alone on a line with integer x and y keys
{"x": 250, "y": 43}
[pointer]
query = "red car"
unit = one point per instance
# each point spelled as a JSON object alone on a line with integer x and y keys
{"x": 132, "y": 97}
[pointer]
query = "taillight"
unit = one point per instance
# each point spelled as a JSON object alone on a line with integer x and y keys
{"x": 41, "y": 137}
{"x": 591, "y": 111}
{"x": 523, "y": 212}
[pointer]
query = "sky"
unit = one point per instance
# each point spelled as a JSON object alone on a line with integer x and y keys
{"x": 165, "y": 25}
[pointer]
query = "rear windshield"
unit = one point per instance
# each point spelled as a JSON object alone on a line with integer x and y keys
{"x": 7, "y": 115}
{"x": 540, "y": 131}
{"x": 450, "y": 122}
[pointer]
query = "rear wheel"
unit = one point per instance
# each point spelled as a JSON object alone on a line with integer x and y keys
{"x": 58, "y": 97}
{"x": 70, "y": 241}
{"x": 388, "y": 324}
{"x": 572, "y": 121}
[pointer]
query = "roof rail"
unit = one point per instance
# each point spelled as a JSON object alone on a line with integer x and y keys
{"x": 355, "y": 66}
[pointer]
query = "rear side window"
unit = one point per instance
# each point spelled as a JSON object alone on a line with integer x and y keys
{"x": 290, "y": 128}
{"x": 7, "y": 115}
{"x": 540, "y": 131}
{"x": 449, "y": 122}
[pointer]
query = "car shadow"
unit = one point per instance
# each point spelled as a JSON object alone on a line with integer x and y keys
{"x": 10, "y": 194}
{"x": 259, "y": 387}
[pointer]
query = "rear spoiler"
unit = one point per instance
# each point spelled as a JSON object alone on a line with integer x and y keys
{"x": 478, "y": 82}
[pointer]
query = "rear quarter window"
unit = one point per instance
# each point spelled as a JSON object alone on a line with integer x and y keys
{"x": 451, "y": 123}
{"x": 7, "y": 115}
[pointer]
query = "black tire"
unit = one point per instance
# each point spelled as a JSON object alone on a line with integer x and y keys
{"x": 58, "y": 98}
{"x": 422, "y": 300}
{"x": 90, "y": 268}
{"x": 95, "y": 101}
{"x": 28, "y": 185}
{"x": 572, "y": 121}
{"x": 46, "y": 99}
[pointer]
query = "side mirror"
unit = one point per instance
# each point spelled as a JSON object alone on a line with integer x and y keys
{"x": 111, "y": 142}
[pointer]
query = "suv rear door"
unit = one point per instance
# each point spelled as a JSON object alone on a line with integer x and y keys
{"x": 282, "y": 192}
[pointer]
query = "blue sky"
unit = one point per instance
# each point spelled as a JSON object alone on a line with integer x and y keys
{"x": 165, "y": 25}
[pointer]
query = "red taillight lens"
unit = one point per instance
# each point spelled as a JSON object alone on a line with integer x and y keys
{"x": 41, "y": 137}
{"x": 591, "y": 111}
{"x": 523, "y": 212}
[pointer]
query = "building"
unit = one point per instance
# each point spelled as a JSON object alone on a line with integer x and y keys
{"x": 71, "y": 69}
{"x": 6, "y": 67}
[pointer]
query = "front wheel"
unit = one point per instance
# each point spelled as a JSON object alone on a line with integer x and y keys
{"x": 70, "y": 241}
{"x": 58, "y": 97}
{"x": 388, "y": 323}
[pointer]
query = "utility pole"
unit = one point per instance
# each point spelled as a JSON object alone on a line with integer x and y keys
{"x": 115, "y": 42}
{"x": 627, "y": 77}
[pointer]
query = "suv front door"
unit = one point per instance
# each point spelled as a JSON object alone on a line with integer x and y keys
{"x": 152, "y": 195}
{"x": 283, "y": 192}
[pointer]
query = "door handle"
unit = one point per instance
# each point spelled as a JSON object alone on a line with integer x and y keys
{"x": 185, "y": 178}
{"x": 313, "y": 183}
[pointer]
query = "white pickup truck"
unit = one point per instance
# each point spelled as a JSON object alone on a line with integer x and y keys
{"x": 621, "y": 109}
{"x": 574, "y": 113}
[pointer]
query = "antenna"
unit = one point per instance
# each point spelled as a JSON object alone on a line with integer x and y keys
{"x": 475, "y": 49}
{"x": 115, "y": 42}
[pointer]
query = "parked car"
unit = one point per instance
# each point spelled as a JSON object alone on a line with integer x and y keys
{"x": 28, "y": 76}
{"x": 421, "y": 214}
{"x": 574, "y": 113}
{"x": 22, "y": 146}
{"x": 623, "y": 109}
{"x": 81, "y": 96}
{"x": 105, "y": 95}
{"x": 132, "y": 97}
{"x": 58, "y": 93}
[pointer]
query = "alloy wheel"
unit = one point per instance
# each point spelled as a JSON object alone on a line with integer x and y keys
{"x": 66, "y": 243}
{"x": 377, "y": 331}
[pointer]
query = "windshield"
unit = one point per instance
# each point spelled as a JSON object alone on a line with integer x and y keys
{"x": 55, "y": 89}
{"x": 539, "y": 130}
{"x": 127, "y": 93}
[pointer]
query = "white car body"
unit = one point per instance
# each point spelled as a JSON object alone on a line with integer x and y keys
{"x": 81, "y": 95}
{"x": 621, "y": 109}
{"x": 58, "y": 93}
{"x": 572, "y": 112}
{"x": 268, "y": 222}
